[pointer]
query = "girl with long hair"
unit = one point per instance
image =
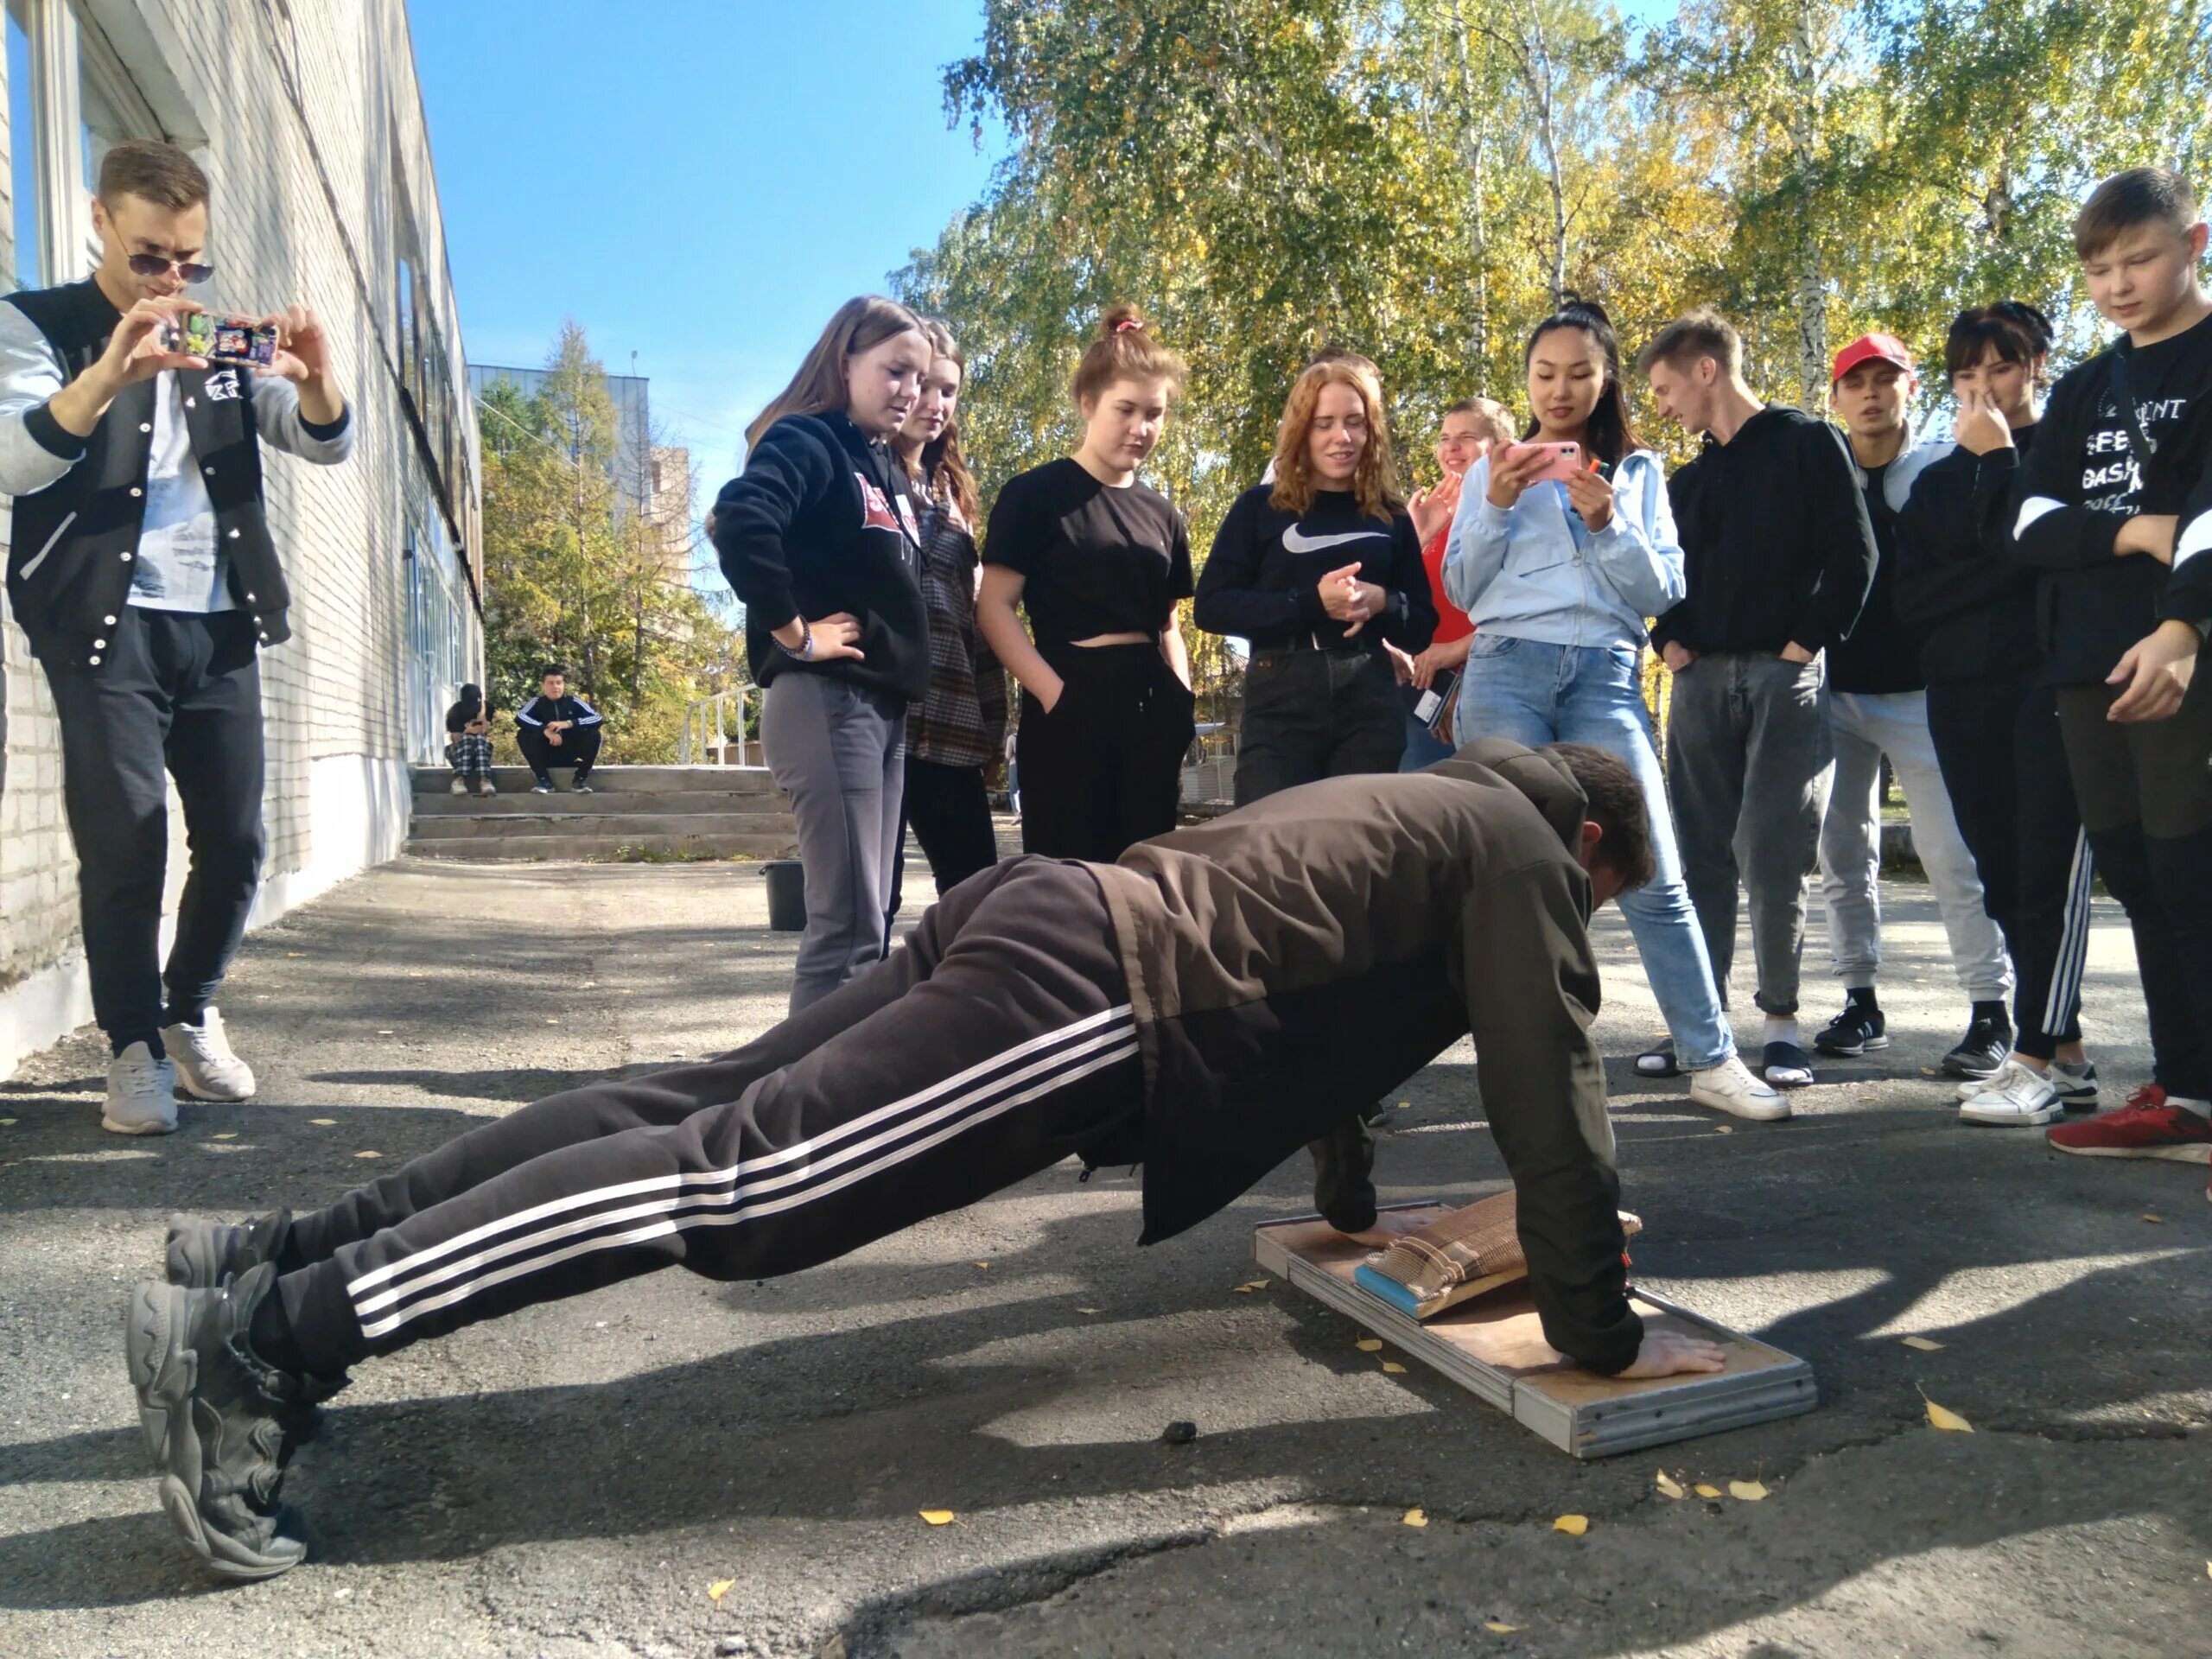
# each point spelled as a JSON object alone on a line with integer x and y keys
{"x": 1559, "y": 578}
{"x": 820, "y": 541}
{"x": 1320, "y": 571}
{"x": 956, "y": 733}
{"x": 1995, "y": 728}
{"x": 1098, "y": 560}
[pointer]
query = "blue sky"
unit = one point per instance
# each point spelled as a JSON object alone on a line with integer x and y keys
{"x": 699, "y": 181}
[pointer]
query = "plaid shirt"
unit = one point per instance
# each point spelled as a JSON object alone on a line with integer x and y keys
{"x": 963, "y": 721}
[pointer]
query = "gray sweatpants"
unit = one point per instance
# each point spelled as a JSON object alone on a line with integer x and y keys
{"x": 1749, "y": 759}
{"x": 839, "y": 751}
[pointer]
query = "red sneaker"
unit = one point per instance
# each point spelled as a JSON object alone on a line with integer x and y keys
{"x": 2145, "y": 1127}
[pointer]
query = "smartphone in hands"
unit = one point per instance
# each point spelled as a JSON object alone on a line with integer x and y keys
{"x": 1565, "y": 460}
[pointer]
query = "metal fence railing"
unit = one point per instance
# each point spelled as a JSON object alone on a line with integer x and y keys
{"x": 707, "y": 740}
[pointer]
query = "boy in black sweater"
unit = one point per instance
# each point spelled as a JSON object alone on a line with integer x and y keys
{"x": 555, "y": 729}
{"x": 1779, "y": 556}
{"x": 2126, "y": 454}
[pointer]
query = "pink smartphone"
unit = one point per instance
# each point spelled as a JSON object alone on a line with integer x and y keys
{"x": 1565, "y": 460}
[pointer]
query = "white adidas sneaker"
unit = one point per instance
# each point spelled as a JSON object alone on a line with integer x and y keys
{"x": 1730, "y": 1087}
{"x": 141, "y": 1093}
{"x": 2016, "y": 1095}
{"x": 204, "y": 1060}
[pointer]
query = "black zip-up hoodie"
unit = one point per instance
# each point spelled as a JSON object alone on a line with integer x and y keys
{"x": 819, "y": 523}
{"x": 1777, "y": 545}
{"x": 1319, "y": 947}
{"x": 1956, "y": 574}
{"x": 1262, "y": 581}
{"x": 2083, "y": 480}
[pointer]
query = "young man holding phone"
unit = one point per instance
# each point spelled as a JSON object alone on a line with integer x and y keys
{"x": 141, "y": 569}
{"x": 1778, "y": 555}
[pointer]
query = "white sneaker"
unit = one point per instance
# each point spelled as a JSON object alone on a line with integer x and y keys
{"x": 459, "y": 787}
{"x": 1730, "y": 1087}
{"x": 140, "y": 1094}
{"x": 204, "y": 1060}
{"x": 2015, "y": 1095}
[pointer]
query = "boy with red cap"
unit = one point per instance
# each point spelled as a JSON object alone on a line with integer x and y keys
{"x": 1878, "y": 709}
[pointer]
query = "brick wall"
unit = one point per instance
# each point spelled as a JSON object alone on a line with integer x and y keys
{"x": 305, "y": 200}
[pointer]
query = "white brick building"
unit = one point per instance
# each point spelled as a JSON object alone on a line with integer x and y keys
{"x": 309, "y": 121}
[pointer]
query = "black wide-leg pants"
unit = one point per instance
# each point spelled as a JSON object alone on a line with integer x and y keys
{"x": 996, "y": 1041}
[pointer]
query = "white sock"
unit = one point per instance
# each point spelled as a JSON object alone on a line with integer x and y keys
{"x": 1781, "y": 1028}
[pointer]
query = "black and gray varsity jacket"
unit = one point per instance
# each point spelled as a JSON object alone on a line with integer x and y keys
{"x": 80, "y": 502}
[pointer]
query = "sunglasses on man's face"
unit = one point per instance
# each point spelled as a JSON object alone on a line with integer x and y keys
{"x": 156, "y": 264}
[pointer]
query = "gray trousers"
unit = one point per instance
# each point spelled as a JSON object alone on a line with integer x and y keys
{"x": 1749, "y": 759}
{"x": 839, "y": 751}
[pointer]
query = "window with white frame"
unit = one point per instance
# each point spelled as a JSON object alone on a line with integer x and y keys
{"x": 70, "y": 98}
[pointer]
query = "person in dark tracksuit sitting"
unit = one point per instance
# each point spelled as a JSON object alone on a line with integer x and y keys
{"x": 1217, "y": 999}
{"x": 555, "y": 729}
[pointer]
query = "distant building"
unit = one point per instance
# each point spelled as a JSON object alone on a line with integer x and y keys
{"x": 309, "y": 122}
{"x": 633, "y": 440}
{"x": 670, "y": 510}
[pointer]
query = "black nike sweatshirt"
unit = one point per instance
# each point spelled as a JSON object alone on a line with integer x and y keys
{"x": 1262, "y": 581}
{"x": 818, "y": 524}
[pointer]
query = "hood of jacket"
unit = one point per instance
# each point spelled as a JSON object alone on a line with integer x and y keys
{"x": 1541, "y": 774}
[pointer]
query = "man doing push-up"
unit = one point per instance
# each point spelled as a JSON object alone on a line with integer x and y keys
{"x": 1215, "y": 1000}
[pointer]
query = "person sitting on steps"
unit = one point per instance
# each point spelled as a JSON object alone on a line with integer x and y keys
{"x": 555, "y": 729}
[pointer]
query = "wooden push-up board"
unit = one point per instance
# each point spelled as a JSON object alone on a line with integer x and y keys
{"x": 1495, "y": 1347}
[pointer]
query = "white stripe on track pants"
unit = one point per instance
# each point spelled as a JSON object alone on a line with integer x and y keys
{"x": 997, "y": 1041}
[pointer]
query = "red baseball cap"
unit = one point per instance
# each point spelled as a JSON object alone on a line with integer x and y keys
{"x": 1870, "y": 348}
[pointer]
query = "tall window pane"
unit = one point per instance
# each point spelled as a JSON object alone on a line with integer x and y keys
{"x": 22, "y": 150}
{"x": 103, "y": 126}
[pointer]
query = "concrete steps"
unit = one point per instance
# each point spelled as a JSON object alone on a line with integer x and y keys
{"x": 640, "y": 812}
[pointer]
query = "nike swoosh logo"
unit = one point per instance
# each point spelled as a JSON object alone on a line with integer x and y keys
{"x": 1293, "y": 541}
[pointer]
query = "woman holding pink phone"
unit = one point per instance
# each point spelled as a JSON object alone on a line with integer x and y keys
{"x": 1563, "y": 544}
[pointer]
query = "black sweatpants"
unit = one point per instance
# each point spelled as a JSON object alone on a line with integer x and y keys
{"x": 1103, "y": 770}
{"x": 578, "y": 747}
{"x": 179, "y": 694}
{"x": 2004, "y": 768}
{"x": 996, "y": 1041}
{"x": 950, "y": 812}
{"x": 2146, "y": 801}
{"x": 1311, "y": 714}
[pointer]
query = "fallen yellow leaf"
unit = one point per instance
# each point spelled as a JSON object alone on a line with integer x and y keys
{"x": 1724, "y": 1128}
{"x": 7, "y": 1122}
{"x": 368, "y": 1154}
{"x": 1943, "y": 1417}
{"x": 2148, "y": 1216}
{"x": 982, "y": 1264}
{"x": 383, "y": 1033}
{"x": 720, "y": 1588}
{"x": 1498, "y": 1629}
{"x": 1573, "y": 1525}
{"x": 1668, "y": 1486}
{"x": 1704, "y": 1490}
{"x": 1369, "y": 1344}
{"x": 1086, "y": 1310}
{"x": 1403, "y": 1104}
{"x": 228, "y": 1135}
{"x": 323, "y": 1122}
{"x": 552, "y": 1022}
{"x": 1416, "y": 1517}
{"x": 1749, "y": 1490}
{"x": 1924, "y": 1344}
{"x": 937, "y": 1517}
{"x": 1391, "y": 1368}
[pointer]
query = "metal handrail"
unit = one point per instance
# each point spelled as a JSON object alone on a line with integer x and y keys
{"x": 705, "y": 739}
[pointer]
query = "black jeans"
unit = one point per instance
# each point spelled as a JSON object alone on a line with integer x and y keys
{"x": 1103, "y": 769}
{"x": 2004, "y": 768}
{"x": 1310, "y": 715}
{"x": 950, "y": 812}
{"x": 2146, "y": 801}
{"x": 578, "y": 747}
{"x": 179, "y": 694}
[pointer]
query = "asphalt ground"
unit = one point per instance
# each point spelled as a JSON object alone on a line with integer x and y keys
{"x": 679, "y": 1467}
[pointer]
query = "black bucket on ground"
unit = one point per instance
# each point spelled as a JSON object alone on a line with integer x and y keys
{"x": 786, "y": 879}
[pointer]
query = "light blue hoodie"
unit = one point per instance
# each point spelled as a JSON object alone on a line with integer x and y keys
{"x": 1534, "y": 572}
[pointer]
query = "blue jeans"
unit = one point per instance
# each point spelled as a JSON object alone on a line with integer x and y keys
{"x": 1537, "y": 694}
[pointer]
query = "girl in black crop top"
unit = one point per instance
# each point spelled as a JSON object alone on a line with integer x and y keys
{"x": 1099, "y": 561}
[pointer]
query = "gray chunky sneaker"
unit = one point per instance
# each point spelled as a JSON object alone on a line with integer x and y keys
{"x": 203, "y": 1254}
{"x": 222, "y": 1445}
{"x": 205, "y": 1063}
{"x": 141, "y": 1093}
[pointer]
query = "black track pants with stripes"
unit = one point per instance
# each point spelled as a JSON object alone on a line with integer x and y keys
{"x": 997, "y": 1042}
